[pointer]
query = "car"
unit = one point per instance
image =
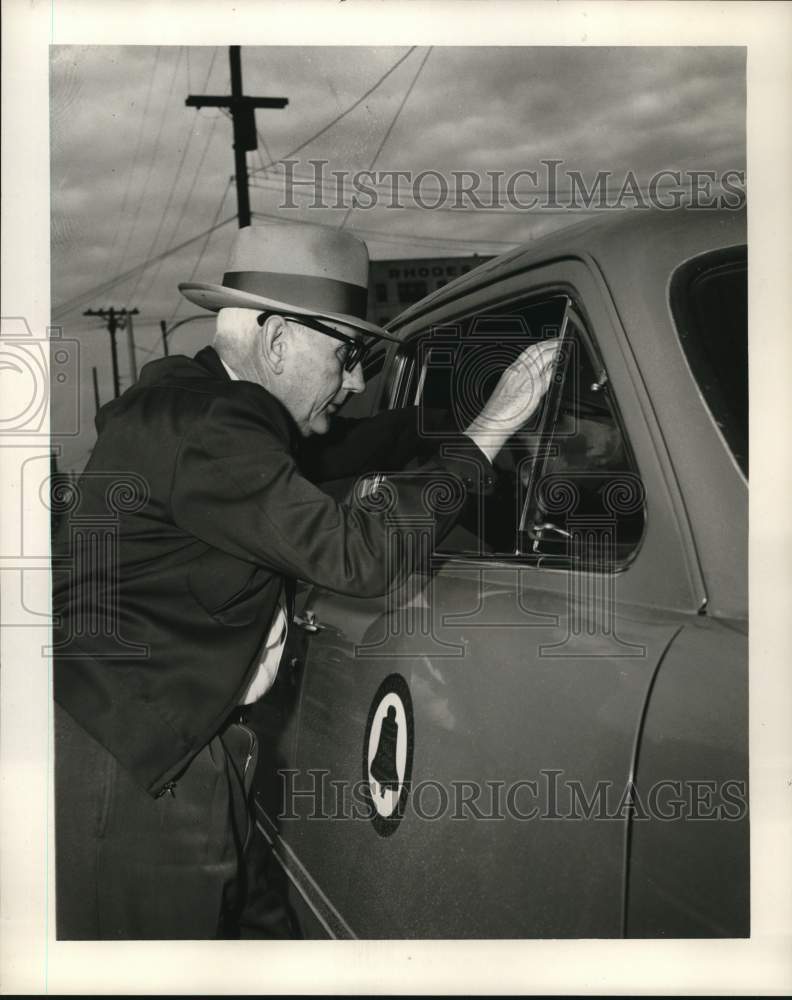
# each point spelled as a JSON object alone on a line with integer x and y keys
{"x": 543, "y": 733}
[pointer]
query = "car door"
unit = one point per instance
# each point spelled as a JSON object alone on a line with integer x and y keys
{"x": 690, "y": 858}
{"x": 459, "y": 753}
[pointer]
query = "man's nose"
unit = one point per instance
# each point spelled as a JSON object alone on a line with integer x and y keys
{"x": 354, "y": 380}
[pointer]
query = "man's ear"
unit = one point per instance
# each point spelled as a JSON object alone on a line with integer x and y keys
{"x": 273, "y": 342}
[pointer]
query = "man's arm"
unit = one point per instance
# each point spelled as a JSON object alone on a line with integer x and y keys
{"x": 383, "y": 443}
{"x": 353, "y": 447}
{"x": 237, "y": 487}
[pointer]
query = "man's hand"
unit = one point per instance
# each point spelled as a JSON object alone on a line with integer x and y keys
{"x": 516, "y": 397}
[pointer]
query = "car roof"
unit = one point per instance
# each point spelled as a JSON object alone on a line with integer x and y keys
{"x": 609, "y": 238}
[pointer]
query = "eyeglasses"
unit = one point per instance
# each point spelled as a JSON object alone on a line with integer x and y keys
{"x": 356, "y": 350}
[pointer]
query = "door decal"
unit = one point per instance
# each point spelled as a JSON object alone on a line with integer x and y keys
{"x": 388, "y": 753}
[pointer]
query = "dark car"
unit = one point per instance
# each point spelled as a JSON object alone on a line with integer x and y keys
{"x": 545, "y": 733}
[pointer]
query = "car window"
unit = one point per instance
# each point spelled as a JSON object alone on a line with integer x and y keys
{"x": 569, "y": 468}
{"x": 709, "y": 299}
{"x": 584, "y": 500}
{"x": 449, "y": 373}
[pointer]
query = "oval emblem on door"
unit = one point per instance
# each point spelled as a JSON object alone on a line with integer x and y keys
{"x": 388, "y": 753}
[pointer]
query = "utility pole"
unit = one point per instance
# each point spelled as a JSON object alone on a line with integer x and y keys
{"x": 130, "y": 332}
{"x": 116, "y": 318}
{"x": 244, "y": 119}
{"x": 166, "y": 332}
{"x": 97, "y": 403}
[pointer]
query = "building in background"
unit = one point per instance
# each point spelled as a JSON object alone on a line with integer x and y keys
{"x": 396, "y": 284}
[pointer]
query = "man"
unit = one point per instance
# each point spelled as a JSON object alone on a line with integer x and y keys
{"x": 173, "y": 577}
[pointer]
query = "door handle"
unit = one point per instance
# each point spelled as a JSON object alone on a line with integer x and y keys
{"x": 308, "y": 623}
{"x": 536, "y": 533}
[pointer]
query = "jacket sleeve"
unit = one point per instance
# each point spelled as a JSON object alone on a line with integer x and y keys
{"x": 237, "y": 487}
{"x": 356, "y": 446}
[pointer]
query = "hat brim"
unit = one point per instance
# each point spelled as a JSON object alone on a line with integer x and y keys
{"x": 216, "y": 297}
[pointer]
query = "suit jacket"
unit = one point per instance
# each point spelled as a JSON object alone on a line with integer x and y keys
{"x": 197, "y": 503}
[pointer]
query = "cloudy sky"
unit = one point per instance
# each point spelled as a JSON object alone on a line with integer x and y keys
{"x": 136, "y": 173}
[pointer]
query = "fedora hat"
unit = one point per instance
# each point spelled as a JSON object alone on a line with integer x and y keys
{"x": 300, "y": 269}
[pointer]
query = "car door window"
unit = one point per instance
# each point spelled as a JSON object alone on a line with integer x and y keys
{"x": 567, "y": 478}
{"x": 450, "y": 373}
{"x": 709, "y": 299}
{"x": 584, "y": 500}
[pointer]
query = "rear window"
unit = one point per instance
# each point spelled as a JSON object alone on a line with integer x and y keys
{"x": 709, "y": 299}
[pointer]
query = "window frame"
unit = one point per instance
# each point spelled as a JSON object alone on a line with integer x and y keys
{"x": 575, "y": 317}
{"x": 404, "y": 386}
{"x": 684, "y": 325}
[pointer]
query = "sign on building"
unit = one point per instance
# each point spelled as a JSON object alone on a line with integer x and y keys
{"x": 396, "y": 284}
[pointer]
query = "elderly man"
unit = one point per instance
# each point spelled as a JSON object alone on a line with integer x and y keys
{"x": 173, "y": 577}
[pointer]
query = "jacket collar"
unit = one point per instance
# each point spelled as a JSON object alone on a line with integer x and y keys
{"x": 209, "y": 360}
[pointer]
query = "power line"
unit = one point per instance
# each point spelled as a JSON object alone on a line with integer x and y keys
{"x": 399, "y": 194}
{"x": 211, "y": 229}
{"x": 211, "y": 67}
{"x": 208, "y": 234}
{"x": 308, "y": 185}
{"x": 153, "y": 156}
{"x": 390, "y": 237}
{"x": 130, "y": 174}
{"x": 392, "y": 124}
{"x": 263, "y": 142}
{"x": 149, "y": 350}
{"x": 176, "y": 228}
{"x": 338, "y": 118}
{"x": 258, "y": 154}
{"x": 106, "y": 286}
{"x": 196, "y": 175}
{"x": 197, "y": 171}
{"x": 164, "y": 213}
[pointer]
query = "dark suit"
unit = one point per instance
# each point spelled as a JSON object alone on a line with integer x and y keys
{"x": 192, "y": 512}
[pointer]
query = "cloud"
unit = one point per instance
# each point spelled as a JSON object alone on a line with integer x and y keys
{"x": 124, "y": 148}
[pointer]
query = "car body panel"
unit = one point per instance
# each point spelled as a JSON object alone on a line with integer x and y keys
{"x": 694, "y": 876}
{"x": 517, "y": 671}
{"x": 485, "y": 711}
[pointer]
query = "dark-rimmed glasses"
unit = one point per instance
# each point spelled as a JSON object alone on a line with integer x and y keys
{"x": 356, "y": 349}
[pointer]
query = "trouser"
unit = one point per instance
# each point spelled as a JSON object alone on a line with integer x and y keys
{"x": 132, "y": 866}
